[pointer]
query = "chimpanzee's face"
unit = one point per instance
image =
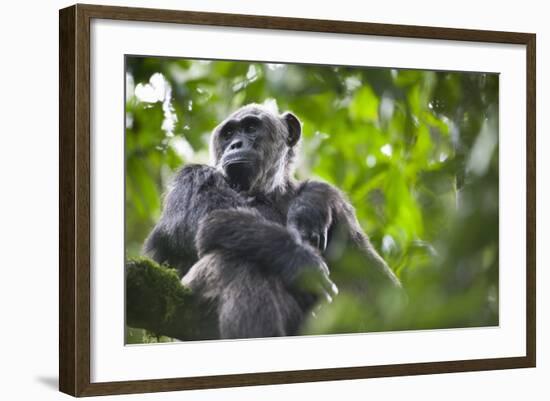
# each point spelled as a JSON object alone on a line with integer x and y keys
{"x": 251, "y": 146}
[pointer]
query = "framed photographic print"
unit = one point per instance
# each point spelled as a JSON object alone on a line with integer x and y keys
{"x": 312, "y": 200}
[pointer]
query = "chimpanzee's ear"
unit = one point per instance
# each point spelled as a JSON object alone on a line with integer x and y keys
{"x": 294, "y": 128}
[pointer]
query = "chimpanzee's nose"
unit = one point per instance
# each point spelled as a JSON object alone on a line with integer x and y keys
{"x": 236, "y": 144}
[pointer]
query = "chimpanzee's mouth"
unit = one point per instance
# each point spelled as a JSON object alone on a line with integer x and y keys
{"x": 240, "y": 168}
{"x": 240, "y": 173}
{"x": 236, "y": 161}
{"x": 239, "y": 157}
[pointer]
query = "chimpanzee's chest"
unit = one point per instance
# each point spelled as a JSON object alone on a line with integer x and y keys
{"x": 271, "y": 209}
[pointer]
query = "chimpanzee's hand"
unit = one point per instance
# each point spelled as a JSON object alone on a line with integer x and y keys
{"x": 309, "y": 274}
{"x": 310, "y": 225}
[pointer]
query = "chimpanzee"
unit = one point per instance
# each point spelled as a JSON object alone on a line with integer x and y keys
{"x": 249, "y": 240}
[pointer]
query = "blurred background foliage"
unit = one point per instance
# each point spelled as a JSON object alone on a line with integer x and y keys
{"x": 415, "y": 151}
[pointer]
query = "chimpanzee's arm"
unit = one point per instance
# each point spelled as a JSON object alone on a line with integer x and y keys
{"x": 319, "y": 211}
{"x": 244, "y": 234}
{"x": 197, "y": 190}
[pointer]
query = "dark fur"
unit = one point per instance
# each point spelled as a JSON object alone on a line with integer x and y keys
{"x": 243, "y": 234}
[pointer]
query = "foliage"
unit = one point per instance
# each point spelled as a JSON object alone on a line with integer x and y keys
{"x": 415, "y": 151}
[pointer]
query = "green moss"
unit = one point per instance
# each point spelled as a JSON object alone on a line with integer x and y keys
{"x": 158, "y": 302}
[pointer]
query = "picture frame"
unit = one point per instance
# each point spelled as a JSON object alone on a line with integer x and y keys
{"x": 76, "y": 200}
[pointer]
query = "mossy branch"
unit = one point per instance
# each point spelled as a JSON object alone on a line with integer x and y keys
{"x": 158, "y": 302}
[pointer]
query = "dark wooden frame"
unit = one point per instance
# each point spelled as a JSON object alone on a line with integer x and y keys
{"x": 74, "y": 199}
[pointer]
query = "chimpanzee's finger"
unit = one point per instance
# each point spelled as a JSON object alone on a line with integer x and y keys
{"x": 323, "y": 240}
{"x": 329, "y": 286}
{"x": 314, "y": 240}
{"x": 324, "y": 293}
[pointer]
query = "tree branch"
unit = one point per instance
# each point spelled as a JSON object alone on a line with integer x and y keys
{"x": 158, "y": 302}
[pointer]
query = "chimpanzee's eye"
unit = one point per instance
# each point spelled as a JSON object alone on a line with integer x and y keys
{"x": 251, "y": 125}
{"x": 227, "y": 133}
